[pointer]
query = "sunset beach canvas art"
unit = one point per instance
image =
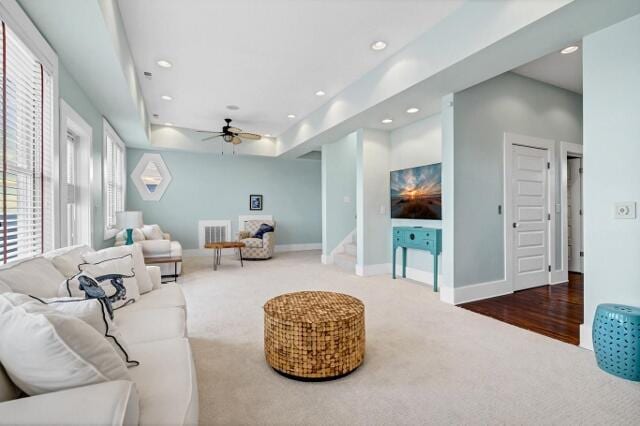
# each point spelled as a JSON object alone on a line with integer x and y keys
{"x": 416, "y": 193}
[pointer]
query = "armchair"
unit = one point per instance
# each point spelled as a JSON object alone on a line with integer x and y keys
{"x": 256, "y": 248}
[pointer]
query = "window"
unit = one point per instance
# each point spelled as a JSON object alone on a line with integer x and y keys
{"x": 72, "y": 185}
{"x": 114, "y": 179}
{"x": 26, "y": 155}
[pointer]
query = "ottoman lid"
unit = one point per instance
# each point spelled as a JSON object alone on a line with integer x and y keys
{"x": 313, "y": 307}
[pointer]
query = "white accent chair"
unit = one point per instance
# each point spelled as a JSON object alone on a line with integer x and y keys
{"x": 160, "y": 245}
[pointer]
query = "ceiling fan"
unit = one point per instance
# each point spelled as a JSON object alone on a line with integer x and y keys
{"x": 232, "y": 134}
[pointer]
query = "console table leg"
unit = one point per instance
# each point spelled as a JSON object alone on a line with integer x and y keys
{"x": 404, "y": 262}
{"x": 393, "y": 265}
{"x": 435, "y": 272}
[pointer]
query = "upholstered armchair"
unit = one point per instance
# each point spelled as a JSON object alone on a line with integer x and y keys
{"x": 257, "y": 248}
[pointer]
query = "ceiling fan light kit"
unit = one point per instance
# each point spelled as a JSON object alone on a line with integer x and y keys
{"x": 232, "y": 134}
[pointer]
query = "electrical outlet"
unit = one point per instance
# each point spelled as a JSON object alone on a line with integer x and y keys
{"x": 625, "y": 210}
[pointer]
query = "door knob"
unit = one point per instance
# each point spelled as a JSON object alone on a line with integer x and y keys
{"x": 515, "y": 225}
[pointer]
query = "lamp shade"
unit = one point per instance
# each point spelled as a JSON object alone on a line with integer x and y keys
{"x": 129, "y": 219}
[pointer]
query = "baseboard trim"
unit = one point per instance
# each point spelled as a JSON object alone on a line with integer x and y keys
{"x": 585, "y": 337}
{"x": 471, "y": 293}
{"x": 278, "y": 249}
{"x": 447, "y": 295}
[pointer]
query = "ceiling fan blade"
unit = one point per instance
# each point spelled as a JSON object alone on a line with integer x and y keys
{"x": 250, "y": 136}
{"x": 236, "y": 140}
{"x": 206, "y": 131}
{"x": 234, "y": 130}
{"x": 211, "y": 137}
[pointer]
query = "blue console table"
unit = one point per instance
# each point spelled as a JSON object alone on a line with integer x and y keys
{"x": 419, "y": 238}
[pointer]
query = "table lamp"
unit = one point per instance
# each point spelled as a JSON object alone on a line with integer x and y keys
{"x": 129, "y": 220}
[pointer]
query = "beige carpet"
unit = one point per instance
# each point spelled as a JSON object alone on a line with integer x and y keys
{"x": 426, "y": 362}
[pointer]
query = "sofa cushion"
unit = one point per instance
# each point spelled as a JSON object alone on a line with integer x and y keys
{"x": 110, "y": 403}
{"x": 168, "y": 396}
{"x": 47, "y": 352}
{"x": 4, "y": 288}
{"x": 36, "y": 276}
{"x": 253, "y": 242}
{"x": 67, "y": 259}
{"x": 138, "y": 326}
{"x": 168, "y": 296}
{"x": 8, "y": 390}
{"x": 135, "y": 250}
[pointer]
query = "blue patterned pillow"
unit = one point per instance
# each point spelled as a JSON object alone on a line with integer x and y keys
{"x": 264, "y": 228}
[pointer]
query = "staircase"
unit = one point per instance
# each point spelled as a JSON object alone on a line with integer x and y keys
{"x": 344, "y": 256}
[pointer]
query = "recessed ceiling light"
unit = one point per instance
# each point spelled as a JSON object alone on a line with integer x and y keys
{"x": 291, "y": 116}
{"x": 164, "y": 64}
{"x": 267, "y": 135}
{"x": 168, "y": 124}
{"x": 320, "y": 93}
{"x": 378, "y": 45}
{"x": 569, "y": 49}
{"x": 166, "y": 97}
{"x": 233, "y": 107}
{"x": 412, "y": 110}
{"x": 387, "y": 121}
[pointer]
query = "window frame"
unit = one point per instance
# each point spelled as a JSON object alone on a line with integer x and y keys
{"x": 109, "y": 133}
{"x": 14, "y": 16}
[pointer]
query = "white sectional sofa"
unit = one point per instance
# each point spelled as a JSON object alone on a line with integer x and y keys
{"x": 163, "y": 389}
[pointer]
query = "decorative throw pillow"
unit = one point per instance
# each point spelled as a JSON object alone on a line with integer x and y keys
{"x": 264, "y": 228}
{"x": 94, "y": 313}
{"x": 142, "y": 277}
{"x": 48, "y": 351}
{"x": 35, "y": 276}
{"x": 122, "y": 266}
{"x": 67, "y": 261}
{"x": 152, "y": 232}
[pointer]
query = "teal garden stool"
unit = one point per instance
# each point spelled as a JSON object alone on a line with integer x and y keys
{"x": 616, "y": 340}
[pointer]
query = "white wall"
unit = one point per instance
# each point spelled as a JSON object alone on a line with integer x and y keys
{"x": 373, "y": 224}
{"x": 611, "y": 64}
{"x": 417, "y": 144}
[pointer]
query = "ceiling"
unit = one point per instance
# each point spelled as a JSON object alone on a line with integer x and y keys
{"x": 267, "y": 57}
{"x": 560, "y": 70}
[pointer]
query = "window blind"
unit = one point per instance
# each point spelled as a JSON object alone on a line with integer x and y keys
{"x": 114, "y": 178}
{"x": 26, "y": 157}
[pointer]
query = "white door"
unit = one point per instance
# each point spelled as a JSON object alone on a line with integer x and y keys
{"x": 574, "y": 210}
{"x": 530, "y": 186}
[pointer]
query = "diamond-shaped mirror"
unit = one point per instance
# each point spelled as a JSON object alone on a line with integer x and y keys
{"x": 151, "y": 177}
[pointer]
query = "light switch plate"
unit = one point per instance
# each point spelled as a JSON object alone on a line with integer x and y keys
{"x": 625, "y": 210}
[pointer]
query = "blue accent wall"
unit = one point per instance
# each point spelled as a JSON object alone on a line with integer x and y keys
{"x": 214, "y": 187}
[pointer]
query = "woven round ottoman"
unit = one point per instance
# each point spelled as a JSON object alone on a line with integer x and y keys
{"x": 314, "y": 335}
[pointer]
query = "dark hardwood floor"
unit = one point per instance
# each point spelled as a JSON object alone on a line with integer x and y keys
{"x": 553, "y": 310}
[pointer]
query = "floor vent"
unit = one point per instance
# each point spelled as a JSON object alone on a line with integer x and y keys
{"x": 213, "y": 231}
